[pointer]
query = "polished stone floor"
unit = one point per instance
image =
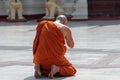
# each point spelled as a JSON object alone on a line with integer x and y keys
{"x": 96, "y": 54}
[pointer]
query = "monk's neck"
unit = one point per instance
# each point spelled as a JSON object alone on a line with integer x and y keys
{"x": 58, "y": 21}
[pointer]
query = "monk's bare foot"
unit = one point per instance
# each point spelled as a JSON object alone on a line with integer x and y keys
{"x": 37, "y": 73}
{"x": 54, "y": 70}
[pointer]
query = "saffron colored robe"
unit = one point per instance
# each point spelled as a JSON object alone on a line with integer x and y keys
{"x": 49, "y": 48}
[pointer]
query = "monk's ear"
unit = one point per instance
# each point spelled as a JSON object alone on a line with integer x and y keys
{"x": 65, "y": 23}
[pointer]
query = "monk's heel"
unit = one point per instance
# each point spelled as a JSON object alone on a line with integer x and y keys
{"x": 37, "y": 74}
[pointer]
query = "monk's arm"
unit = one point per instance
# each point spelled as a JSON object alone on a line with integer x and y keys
{"x": 69, "y": 38}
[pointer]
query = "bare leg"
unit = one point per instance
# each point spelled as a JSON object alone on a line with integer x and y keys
{"x": 37, "y": 73}
{"x": 54, "y": 70}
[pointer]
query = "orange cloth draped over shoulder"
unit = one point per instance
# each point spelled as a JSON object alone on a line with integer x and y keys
{"x": 49, "y": 48}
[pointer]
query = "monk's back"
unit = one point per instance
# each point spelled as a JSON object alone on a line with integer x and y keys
{"x": 51, "y": 43}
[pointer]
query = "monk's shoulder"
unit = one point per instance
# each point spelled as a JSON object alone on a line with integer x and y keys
{"x": 67, "y": 29}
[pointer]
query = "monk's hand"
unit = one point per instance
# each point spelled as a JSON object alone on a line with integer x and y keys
{"x": 37, "y": 73}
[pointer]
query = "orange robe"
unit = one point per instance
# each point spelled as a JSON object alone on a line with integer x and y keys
{"x": 49, "y": 48}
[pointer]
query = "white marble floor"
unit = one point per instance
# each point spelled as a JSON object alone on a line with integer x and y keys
{"x": 96, "y": 55}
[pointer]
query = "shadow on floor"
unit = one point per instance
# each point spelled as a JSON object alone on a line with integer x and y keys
{"x": 44, "y": 78}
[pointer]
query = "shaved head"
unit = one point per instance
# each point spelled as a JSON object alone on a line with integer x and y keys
{"x": 62, "y": 18}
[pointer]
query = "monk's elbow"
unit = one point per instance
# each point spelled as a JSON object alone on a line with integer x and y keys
{"x": 71, "y": 45}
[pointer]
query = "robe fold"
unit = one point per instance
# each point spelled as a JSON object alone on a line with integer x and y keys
{"x": 49, "y": 48}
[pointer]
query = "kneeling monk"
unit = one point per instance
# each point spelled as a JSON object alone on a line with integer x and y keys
{"x": 49, "y": 48}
